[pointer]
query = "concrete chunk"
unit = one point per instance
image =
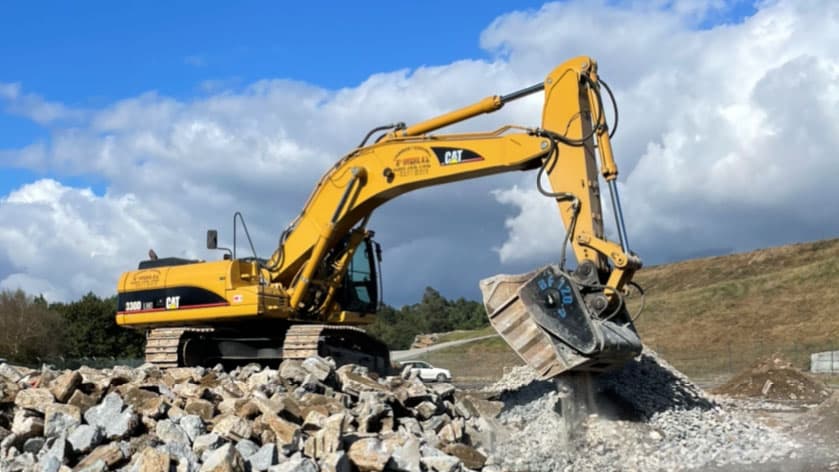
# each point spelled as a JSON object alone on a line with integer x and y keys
{"x": 224, "y": 459}
{"x": 200, "y": 407}
{"x": 63, "y": 386}
{"x": 295, "y": 464}
{"x": 145, "y": 402}
{"x": 192, "y": 425}
{"x": 27, "y": 424}
{"x": 336, "y": 462}
{"x": 369, "y": 455}
{"x": 81, "y": 400}
{"x": 318, "y": 367}
{"x": 170, "y": 432}
{"x": 85, "y": 437}
{"x": 109, "y": 415}
{"x": 34, "y": 399}
{"x": 55, "y": 456}
{"x": 152, "y": 460}
{"x": 407, "y": 457}
{"x": 61, "y": 419}
{"x": 233, "y": 428}
{"x": 264, "y": 458}
{"x": 110, "y": 454}
{"x": 206, "y": 442}
{"x": 470, "y": 456}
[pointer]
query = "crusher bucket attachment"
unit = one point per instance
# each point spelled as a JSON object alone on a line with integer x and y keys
{"x": 556, "y": 323}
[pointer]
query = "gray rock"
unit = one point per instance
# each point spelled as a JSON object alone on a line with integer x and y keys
{"x": 292, "y": 370}
{"x": 27, "y": 424}
{"x": 336, "y": 462}
{"x": 7, "y": 443}
{"x": 407, "y": 457}
{"x": 295, "y": 464}
{"x": 192, "y": 425}
{"x": 247, "y": 447}
{"x": 33, "y": 445}
{"x": 84, "y": 438}
{"x": 10, "y": 373}
{"x": 55, "y": 456}
{"x": 318, "y": 367}
{"x": 60, "y": 419}
{"x": 224, "y": 459}
{"x": 425, "y": 410}
{"x": 206, "y": 442}
{"x": 264, "y": 458}
{"x": 23, "y": 462}
{"x": 109, "y": 415}
{"x": 169, "y": 432}
{"x": 440, "y": 462}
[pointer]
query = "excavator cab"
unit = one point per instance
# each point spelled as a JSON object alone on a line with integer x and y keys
{"x": 360, "y": 288}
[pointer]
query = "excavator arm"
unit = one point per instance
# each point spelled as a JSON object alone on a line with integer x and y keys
{"x": 563, "y": 148}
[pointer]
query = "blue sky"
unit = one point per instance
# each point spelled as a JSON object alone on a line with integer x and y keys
{"x": 90, "y": 54}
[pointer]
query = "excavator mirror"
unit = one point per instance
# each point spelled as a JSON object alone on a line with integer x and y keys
{"x": 212, "y": 239}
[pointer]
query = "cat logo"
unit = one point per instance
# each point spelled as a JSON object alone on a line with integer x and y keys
{"x": 447, "y": 156}
{"x": 453, "y": 156}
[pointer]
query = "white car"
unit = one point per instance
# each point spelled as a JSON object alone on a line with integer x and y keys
{"x": 426, "y": 371}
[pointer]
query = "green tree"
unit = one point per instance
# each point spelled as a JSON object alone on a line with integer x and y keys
{"x": 29, "y": 330}
{"x": 433, "y": 314}
{"x": 91, "y": 329}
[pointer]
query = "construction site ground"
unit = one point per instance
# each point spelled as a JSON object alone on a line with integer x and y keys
{"x": 772, "y": 391}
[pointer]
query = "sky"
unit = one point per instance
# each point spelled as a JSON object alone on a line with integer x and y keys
{"x": 131, "y": 125}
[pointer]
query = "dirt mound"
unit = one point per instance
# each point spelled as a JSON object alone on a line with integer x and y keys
{"x": 775, "y": 379}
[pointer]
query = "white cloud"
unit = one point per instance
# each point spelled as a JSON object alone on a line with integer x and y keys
{"x": 33, "y": 106}
{"x": 727, "y": 136}
{"x": 66, "y": 241}
{"x": 727, "y": 140}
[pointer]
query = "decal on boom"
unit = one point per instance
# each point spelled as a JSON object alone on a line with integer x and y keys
{"x": 447, "y": 156}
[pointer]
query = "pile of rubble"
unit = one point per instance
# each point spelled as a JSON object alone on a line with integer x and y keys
{"x": 646, "y": 416}
{"x": 775, "y": 379}
{"x": 311, "y": 416}
{"x": 305, "y": 416}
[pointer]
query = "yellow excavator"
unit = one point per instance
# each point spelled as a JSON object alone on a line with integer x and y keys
{"x": 321, "y": 283}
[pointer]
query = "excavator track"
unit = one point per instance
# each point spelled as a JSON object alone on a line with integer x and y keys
{"x": 190, "y": 346}
{"x": 163, "y": 345}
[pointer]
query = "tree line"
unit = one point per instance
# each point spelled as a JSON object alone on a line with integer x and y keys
{"x": 33, "y": 331}
{"x": 433, "y": 314}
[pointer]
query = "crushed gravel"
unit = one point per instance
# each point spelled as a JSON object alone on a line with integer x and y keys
{"x": 646, "y": 416}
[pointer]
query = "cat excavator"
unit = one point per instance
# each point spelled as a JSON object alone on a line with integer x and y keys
{"x": 321, "y": 284}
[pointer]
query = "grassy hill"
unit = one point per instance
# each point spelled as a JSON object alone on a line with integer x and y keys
{"x": 717, "y": 315}
{"x": 726, "y": 311}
